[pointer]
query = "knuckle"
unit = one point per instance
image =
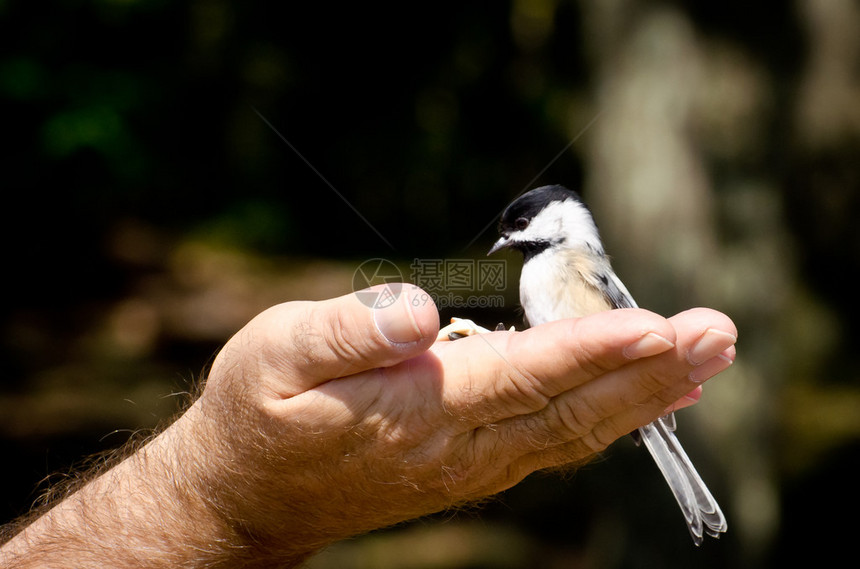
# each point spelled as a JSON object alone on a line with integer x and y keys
{"x": 520, "y": 392}
{"x": 601, "y": 437}
{"x": 585, "y": 355}
{"x": 541, "y": 434}
{"x": 299, "y": 341}
{"x": 664, "y": 399}
{"x": 316, "y": 337}
{"x": 588, "y": 363}
{"x": 574, "y": 417}
{"x": 652, "y": 381}
{"x": 342, "y": 339}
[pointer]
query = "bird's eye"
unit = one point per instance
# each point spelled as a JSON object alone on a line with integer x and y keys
{"x": 521, "y": 223}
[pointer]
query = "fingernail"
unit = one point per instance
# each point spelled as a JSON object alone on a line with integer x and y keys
{"x": 694, "y": 395}
{"x": 650, "y": 344}
{"x": 689, "y": 399}
{"x": 710, "y": 368}
{"x": 396, "y": 321}
{"x": 712, "y": 343}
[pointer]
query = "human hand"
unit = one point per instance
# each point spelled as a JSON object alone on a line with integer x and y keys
{"x": 327, "y": 419}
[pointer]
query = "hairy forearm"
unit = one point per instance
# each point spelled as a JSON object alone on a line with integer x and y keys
{"x": 147, "y": 511}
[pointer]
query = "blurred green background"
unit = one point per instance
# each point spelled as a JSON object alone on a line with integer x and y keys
{"x": 150, "y": 212}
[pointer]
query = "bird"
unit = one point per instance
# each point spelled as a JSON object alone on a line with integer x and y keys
{"x": 567, "y": 274}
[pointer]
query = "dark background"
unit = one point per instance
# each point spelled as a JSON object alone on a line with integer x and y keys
{"x": 151, "y": 209}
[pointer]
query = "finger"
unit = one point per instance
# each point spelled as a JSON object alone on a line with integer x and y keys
{"x": 677, "y": 386}
{"x": 511, "y": 374}
{"x": 687, "y": 400}
{"x": 596, "y": 413}
{"x": 308, "y": 343}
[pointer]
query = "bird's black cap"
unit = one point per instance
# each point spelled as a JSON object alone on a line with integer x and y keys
{"x": 531, "y": 203}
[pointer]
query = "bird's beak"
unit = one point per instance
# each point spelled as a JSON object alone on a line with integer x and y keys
{"x": 504, "y": 241}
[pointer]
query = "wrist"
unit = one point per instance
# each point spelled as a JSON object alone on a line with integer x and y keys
{"x": 215, "y": 486}
{"x": 231, "y": 481}
{"x": 153, "y": 509}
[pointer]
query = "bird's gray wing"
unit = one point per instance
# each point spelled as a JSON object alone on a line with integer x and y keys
{"x": 616, "y": 292}
{"x": 699, "y": 507}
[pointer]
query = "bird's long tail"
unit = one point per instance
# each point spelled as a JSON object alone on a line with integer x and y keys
{"x": 700, "y": 509}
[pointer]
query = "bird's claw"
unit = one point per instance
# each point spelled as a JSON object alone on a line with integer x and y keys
{"x": 462, "y": 327}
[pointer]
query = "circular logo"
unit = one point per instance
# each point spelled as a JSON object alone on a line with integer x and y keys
{"x": 377, "y": 272}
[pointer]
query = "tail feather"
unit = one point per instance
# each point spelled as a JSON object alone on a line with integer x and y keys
{"x": 699, "y": 507}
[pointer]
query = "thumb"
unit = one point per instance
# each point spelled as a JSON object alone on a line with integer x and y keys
{"x": 309, "y": 343}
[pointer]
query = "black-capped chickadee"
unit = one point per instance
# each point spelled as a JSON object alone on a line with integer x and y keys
{"x": 566, "y": 274}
